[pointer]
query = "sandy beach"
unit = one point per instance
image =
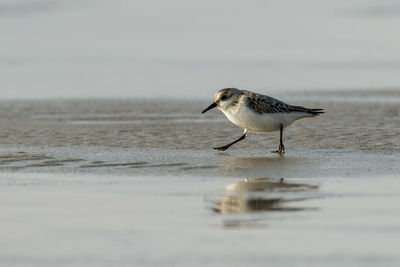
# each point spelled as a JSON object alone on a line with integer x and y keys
{"x": 134, "y": 137}
{"x": 117, "y": 182}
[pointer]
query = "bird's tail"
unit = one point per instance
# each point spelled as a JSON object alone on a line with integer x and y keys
{"x": 311, "y": 111}
{"x": 315, "y": 111}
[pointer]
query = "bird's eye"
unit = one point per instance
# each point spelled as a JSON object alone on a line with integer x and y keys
{"x": 223, "y": 97}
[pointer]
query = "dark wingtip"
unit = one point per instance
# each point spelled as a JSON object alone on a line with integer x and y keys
{"x": 316, "y": 111}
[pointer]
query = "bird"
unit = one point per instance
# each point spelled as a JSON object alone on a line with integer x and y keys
{"x": 258, "y": 113}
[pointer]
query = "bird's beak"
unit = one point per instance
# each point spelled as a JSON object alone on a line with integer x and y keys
{"x": 213, "y": 105}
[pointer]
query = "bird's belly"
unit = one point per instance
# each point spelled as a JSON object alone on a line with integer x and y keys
{"x": 254, "y": 122}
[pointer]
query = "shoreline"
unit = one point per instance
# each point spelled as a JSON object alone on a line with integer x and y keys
{"x": 201, "y": 163}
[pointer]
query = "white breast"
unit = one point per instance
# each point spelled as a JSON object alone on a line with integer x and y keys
{"x": 244, "y": 117}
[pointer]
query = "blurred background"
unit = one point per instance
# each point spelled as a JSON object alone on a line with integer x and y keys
{"x": 189, "y": 49}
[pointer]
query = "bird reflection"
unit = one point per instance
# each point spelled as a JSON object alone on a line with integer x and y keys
{"x": 272, "y": 166}
{"x": 262, "y": 194}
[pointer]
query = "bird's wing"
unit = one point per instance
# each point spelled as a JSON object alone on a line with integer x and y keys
{"x": 265, "y": 104}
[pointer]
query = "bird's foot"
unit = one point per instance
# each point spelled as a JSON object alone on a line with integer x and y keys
{"x": 222, "y": 148}
{"x": 281, "y": 150}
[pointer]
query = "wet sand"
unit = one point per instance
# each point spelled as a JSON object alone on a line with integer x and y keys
{"x": 137, "y": 183}
{"x": 372, "y": 123}
{"x": 150, "y": 137}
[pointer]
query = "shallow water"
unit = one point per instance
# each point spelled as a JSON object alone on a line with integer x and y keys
{"x": 187, "y": 49}
{"x": 137, "y": 183}
{"x": 85, "y": 220}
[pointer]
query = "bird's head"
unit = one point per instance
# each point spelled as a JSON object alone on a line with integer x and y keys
{"x": 224, "y": 98}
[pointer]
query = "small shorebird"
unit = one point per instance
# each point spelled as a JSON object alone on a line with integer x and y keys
{"x": 258, "y": 113}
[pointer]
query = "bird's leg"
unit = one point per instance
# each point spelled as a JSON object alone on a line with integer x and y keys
{"x": 225, "y": 147}
{"x": 281, "y": 148}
